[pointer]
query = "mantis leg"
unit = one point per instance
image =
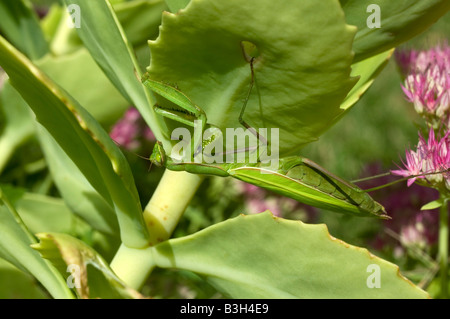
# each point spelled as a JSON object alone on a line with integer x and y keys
{"x": 188, "y": 113}
{"x": 241, "y": 115}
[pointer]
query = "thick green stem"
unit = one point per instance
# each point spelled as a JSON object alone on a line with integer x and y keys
{"x": 161, "y": 215}
{"x": 443, "y": 248}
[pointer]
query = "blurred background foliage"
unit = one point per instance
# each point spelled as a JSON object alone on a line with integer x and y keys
{"x": 371, "y": 139}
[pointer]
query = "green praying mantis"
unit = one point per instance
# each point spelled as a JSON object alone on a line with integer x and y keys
{"x": 295, "y": 176}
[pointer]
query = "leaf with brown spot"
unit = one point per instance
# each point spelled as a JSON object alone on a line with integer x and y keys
{"x": 97, "y": 280}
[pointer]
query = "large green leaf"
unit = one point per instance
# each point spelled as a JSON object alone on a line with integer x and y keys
{"x": 302, "y": 70}
{"x": 400, "y": 21}
{"x": 15, "y": 247}
{"x": 82, "y": 138}
{"x": 261, "y": 256}
{"x": 113, "y": 53}
{"x": 96, "y": 279}
{"x": 20, "y": 25}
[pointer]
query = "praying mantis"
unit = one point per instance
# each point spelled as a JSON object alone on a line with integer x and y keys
{"x": 295, "y": 176}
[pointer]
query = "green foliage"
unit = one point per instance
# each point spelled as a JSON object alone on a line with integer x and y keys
{"x": 19, "y": 23}
{"x": 96, "y": 279}
{"x": 82, "y": 138}
{"x": 113, "y": 53}
{"x": 15, "y": 241}
{"x": 18, "y": 127}
{"x": 400, "y": 21}
{"x": 306, "y": 72}
{"x": 245, "y": 257}
{"x": 314, "y": 60}
{"x": 104, "y": 103}
{"x": 17, "y": 284}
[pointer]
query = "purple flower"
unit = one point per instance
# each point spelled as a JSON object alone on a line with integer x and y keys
{"x": 420, "y": 230}
{"x": 130, "y": 131}
{"x": 406, "y": 59}
{"x": 409, "y": 225}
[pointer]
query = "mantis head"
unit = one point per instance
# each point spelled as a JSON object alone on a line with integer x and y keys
{"x": 158, "y": 156}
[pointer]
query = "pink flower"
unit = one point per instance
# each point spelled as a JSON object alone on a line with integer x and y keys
{"x": 431, "y": 158}
{"x": 420, "y": 230}
{"x": 413, "y": 167}
{"x": 427, "y": 84}
{"x": 130, "y": 131}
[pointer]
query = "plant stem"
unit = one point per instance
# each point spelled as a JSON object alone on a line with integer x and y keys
{"x": 6, "y": 151}
{"x": 161, "y": 215}
{"x": 443, "y": 248}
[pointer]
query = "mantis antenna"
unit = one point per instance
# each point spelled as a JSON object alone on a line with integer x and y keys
{"x": 396, "y": 181}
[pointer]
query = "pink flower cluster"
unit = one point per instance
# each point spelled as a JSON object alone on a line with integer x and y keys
{"x": 130, "y": 131}
{"x": 429, "y": 162}
{"x": 427, "y": 84}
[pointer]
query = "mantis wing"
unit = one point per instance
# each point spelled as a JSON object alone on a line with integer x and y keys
{"x": 313, "y": 189}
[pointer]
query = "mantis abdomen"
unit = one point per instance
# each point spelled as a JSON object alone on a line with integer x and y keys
{"x": 297, "y": 178}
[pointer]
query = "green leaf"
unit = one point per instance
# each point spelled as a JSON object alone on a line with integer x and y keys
{"x": 367, "y": 71}
{"x": 17, "y": 284}
{"x": 96, "y": 280}
{"x": 81, "y": 77}
{"x": 261, "y": 256}
{"x": 47, "y": 214}
{"x": 15, "y": 243}
{"x": 80, "y": 196}
{"x": 76, "y": 190}
{"x": 433, "y": 205}
{"x": 113, "y": 53}
{"x": 140, "y": 19}
{"x": 20, "y": 25}
{"x": 302, "y": 70}
{"x": 401, "y": 20}
{"x": 176, "y": 5}
{"x": 19, "y": 125}
{"x": 63, "y": 40}
{"x": 82, "y": 138}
